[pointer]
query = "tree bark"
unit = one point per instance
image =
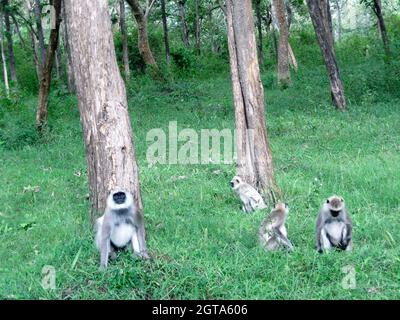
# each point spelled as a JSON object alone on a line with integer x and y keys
{"x": 45, "y": 78}
{"x": 11, "y": 56}
{"x": 165, "y": 29}
{"x": 283, "y": 51}
{"x": 259, "y": 29}
{"x": 382, "y": 27}
{"x": 324, "y": 37}
{"x": 254, "y": 158}
{"x": 39, "y": 33}
{"x": 103, "y": 105}
{"x": 124, "y": 33}
{"x": 3, "y": 56}
{"x": 184, "y": 27}
{"x": 143, "y": 41}
{"x": 197, "y": 27}
{"x": 67, "y": 50}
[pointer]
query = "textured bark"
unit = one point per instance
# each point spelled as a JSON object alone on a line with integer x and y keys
{"x": 143, "y": 39}
{"x": 103, "y": 105}
{"x": 283, "y": 51}
{"x": 124, "y": 33}
{"x": 165, "y": 29}
{"x": 184, "y": 27}
{"x": 45, "y": 78}
{"x": 254, "y": 158}
{"x": 324, "y": 37}
{"x": 39, "y": 32}
{"x": 67, "y": 50}
{"x": 382, "y": 27}
{"x": 197, "y": 27}
{"x": 3, "y": 56}
{"x": 11, "y": 56}
{"x": 259, "y": 30}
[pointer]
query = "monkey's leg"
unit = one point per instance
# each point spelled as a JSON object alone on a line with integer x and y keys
{"x": 283, "y": 240}
{"x": 104, "y": 252}
{"x": 325, "y": 243}
{"x": 112, "y": 254}
{"x": 139, "y": 242}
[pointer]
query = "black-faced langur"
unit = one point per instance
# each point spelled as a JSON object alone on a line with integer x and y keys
{"x": 250, "y": 198}
{"x": 121, "y": 225}
{"x": 272, "y": 233}
{"x": 334, "y": 226}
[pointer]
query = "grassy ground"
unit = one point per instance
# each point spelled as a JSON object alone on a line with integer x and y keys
{"x": 204, "y": 246}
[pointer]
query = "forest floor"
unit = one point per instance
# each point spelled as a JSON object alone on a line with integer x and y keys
{"x": 204, "y": 246}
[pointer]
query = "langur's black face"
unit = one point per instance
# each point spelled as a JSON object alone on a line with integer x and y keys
{"x": 119, "y": 197}
{"x": 334, "y": 213}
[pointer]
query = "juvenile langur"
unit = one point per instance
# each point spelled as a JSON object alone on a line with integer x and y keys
{"x": 334, "y": 227}
{"x": 272, "y": 233}
{"x": 249, "y": 196}
{"x": 122, "y": 224}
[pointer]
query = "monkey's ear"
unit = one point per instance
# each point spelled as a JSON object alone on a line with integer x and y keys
{"x": 286, "y": 204}
{"x": 327, "y": 200}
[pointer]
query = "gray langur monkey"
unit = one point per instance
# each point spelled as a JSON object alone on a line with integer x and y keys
{"x": 272, "y": 233}
{"x": 249, "y": 196}
{"x": 334, "y": 226}
{"x": 122, "y": 224}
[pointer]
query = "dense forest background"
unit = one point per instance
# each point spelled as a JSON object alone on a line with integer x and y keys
{"x": 204, "y": 247}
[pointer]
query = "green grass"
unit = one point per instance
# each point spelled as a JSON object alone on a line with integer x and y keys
{"x": 204, "y": 246}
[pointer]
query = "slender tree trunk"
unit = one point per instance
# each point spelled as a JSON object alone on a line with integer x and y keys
{"x": 143, "y": 42}
{"x": 67, "y": 50}
{"x": 283, "y": 52}
{"x": 39, "y": 32}
{"x": 165, "y": 29}
{"x": 11, "y": 56}
{"x": 254, "y": 158}
{"x": 3, "y": 56}
{"x": 259, "y": 29}
{"x": 184, "y": 27}
{"x": 107, "y": 131}
{"x": 292, "y": 58}
{"x": 45, "y": 79}
{"x": 382, "y": 27}
{"x": 197, "y": 27}
{"x": 21, "y": 38}
{"x": 34, "y": 54}
{"x": 124, "y": 32}
{"x": 59, "y": 59}
{"x": 324, "y": 37}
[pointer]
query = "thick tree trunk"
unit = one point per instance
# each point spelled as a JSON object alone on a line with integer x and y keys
{"x": 165, "y": 29}
{"x": 143, "y": 41}
{"x": 11, "y": 56}
{"x": 259, "y": 29}
{"x": 3, "y": 56}
{"x": 324, "y": 37}
{"x": 102, "y": 103}
{"x": 197, "y": 27}
{"x": 382, "y": 27}
{"x": 39, "y": 32}
{"x": 67, "y": 50}
{"x": 283, "y": 52}
{"x": 45, "y": 79}
{"x": 254, "y": 158}
{"x": 124, "y": 33}
{"x": 184, "y": 27}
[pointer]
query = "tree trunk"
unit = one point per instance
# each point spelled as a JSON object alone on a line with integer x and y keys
{"x": 165, "y": 29}
{"x": 143, "y": 41}
{"x": 184, "y": 27}
{"x": 324, "y": 37}
{"x": 259, "y": 29}
{"x": 124, "y": 33}
{"x": 39, "y": 32}
{"x": 67, "y": 50}
{"x": 59, "y": 60}
{"x": 283, "y": 52}
{"x": 197, "y": 27}
{"x": 382, "y": 27}
{"x": 11, "y": 56}
{"x": 3, "y": 56}
{"x": 254, "y": 158}
{"x": 103, "y": 105}
{"x": 45, "y": 79}
{"x": 21, "y": 39}
{"x": 292, "y": 58}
